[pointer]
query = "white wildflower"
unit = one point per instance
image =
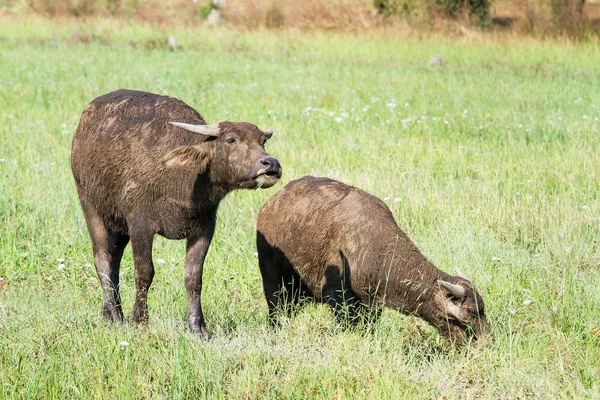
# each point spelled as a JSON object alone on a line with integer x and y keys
{"x": 496, "y": 259}
{"x": 527, "y": 302}
{"x": 123, "y": 344}
{"x": 160, "y": 261}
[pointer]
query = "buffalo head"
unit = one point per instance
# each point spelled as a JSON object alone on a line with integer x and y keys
{"x": 460, "y": 312}
{"x": 234, "y": 155}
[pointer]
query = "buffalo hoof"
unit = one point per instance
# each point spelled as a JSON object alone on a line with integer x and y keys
{"x": 112, "y": 314}
{"x": 201, "y": 332}
{"x": 139, "y": 315}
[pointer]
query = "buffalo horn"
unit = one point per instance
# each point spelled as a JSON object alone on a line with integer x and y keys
{"x": 207, "y": 130}
{"x": 456, "y": 290}
{"x": 268, "y": 133}
{"x": 454, "y": 311}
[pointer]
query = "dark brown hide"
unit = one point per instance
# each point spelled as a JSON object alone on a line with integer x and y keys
{"x": 137, "y": 175}
{"x": 338, "y": 244}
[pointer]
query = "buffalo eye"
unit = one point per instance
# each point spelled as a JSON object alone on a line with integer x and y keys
{"x": 474, "y": 312}
{"x": 231, "y": 141}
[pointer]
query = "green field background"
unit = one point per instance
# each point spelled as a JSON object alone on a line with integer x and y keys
{"x": 490, "y": 163}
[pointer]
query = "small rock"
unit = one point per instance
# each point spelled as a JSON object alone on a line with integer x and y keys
{"x": 214, "y": 18}
{"x": 173, "y": 43}
{"x": 438, "y": 60}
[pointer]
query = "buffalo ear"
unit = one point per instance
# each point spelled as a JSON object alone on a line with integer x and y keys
{"x": 190, "y": 157}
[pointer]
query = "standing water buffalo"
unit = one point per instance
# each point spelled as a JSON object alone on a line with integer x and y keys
{"x": 322, "y": 239}
{"x": 146, "y": 164}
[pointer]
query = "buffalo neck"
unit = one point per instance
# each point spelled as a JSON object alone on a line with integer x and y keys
{"x": 409, "y": 280}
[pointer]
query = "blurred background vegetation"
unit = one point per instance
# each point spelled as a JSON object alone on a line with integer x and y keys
{"x": 541, "y": 18}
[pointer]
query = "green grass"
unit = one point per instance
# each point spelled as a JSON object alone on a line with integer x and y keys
{"x": 489, "y": 163}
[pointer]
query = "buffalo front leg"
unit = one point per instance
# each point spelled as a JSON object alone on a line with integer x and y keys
{"x": 197, "y": 248}
{"x": 141, "y": 246}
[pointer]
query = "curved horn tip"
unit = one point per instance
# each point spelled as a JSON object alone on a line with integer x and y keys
{"x": 456, "y": 290}
{"x": 268, "y": 133}
{"x": 461, "y": 274}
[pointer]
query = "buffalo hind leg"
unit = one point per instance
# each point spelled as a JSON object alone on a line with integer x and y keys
{"x": 108, "y": 250}
{"x": 271, "y": 276}
{"x": 272, "y": 288}
{"x": 282, "y": 288}
{"x": 141, "y": 246}
{"x": 338, "y": 294}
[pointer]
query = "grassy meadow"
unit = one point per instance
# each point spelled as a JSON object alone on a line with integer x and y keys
{"x": 490, "y": 163}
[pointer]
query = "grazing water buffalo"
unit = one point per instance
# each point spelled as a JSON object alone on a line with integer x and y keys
{"x": 146, "y": 164}
{"x": 322, "y": 239}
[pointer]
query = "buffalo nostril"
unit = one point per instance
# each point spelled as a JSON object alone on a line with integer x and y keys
{"x": 270, "y": 163}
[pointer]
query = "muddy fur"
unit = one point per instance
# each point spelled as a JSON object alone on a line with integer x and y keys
{"x": 137, "y": 175}
{"x": 334, "y": 243}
